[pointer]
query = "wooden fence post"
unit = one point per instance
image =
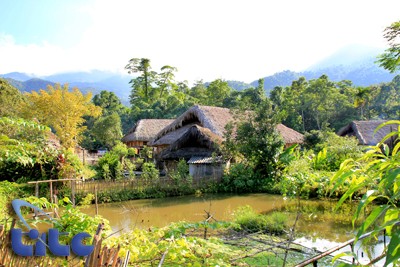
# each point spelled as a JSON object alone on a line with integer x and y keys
{"x": 95, "y": 200}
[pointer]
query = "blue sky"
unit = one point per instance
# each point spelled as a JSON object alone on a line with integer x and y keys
{"x": 207, "y": 39}
{"x": 59, "y": 22}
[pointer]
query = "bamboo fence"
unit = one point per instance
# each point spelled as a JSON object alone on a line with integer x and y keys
{"x": 90, "y": 186}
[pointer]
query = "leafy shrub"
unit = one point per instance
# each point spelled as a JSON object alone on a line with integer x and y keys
{"x": 69, "y": 164}
{"x": 181, "y": 177}
{"x": 8, "y": 192}
{"x": 114, "y": 163}
{"x": 276, "y": 222}
{"x": 239, "y": 179}
{"x": 246, "y": 219}
{"x": 149, "y": 171}
{"x": 73, "y": 221}
{"x": 331, "y": 149}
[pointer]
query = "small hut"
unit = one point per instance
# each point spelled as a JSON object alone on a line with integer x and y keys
{"x": 143, "y": 131}
{"x": 364, "y": 131}
{"x": 290, "y": 136}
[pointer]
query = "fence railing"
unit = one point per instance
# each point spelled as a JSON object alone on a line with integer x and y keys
{"x": 90, "y": 186}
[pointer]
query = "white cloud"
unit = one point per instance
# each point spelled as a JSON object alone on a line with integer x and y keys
{"x": 241, "y": 40}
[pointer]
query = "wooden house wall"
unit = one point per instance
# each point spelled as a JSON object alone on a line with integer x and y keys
{"x": 199, "y": 171}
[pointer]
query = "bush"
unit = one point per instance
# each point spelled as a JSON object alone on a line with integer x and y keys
{"x": 8, "y": 192}
{"x": 114, "y": 163}
{"x": 250, "y": 221}
{"x": 331, "y": 149}
{"x": 276, "y": 223}
{"x": 239, "y": 179}
{"x": 149, "y": 171}
{"x": 74, "y": 221}
{"x": 181, "y": 177}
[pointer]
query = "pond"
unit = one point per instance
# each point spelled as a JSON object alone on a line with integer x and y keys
{"x": 316, "y": 221}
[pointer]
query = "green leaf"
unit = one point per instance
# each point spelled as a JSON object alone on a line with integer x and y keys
{"x": 349, "y": 193}
{"x": 389, "y": 179}
{"x": 366, "y": 199}
{"x": 375, "y": 214}
{"x": 393, "y": 251}
{"x": 339, "y": 179}
{"x": 386, "y": 123}
{"x": 396, "y": 149}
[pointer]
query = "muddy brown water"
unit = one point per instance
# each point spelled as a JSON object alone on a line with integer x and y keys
{"x": 146, "y": 213}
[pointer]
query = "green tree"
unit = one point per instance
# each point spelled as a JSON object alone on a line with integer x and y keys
{"x": 96, "y": 137}
{"x": 10, "y": 99}
{"x": 107, "y": 130}
{"x": 109, "y": 102}
{"x": 142, "y": 86}
{"x": 386, "y": 101}
{"x": 390, "y": 60}
{"x": 256, "y": 148}
{"x": 165, "y": 80}
{"x": 217, "y": 91}
{"x": 362, "y": 99}
{"x": 315, "y": 104}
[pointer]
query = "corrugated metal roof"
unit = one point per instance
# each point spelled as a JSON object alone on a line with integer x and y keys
{"x": 204, "y": 160}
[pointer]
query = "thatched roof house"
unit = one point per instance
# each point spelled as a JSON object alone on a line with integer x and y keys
{"x": 364, "y": 131}
{"x": 143, "y": 131}
{"x": 290, "y": 136}
{"x": 206, "y": 122}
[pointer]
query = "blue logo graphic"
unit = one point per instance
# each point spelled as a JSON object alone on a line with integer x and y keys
{"x": 52, "y": 244}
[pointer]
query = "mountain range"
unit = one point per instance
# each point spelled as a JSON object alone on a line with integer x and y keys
{"x": 355, "y": 63}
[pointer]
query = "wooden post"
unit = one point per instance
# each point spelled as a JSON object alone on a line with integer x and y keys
{"x": 95, "y": 200}
{"x": 51, "y": 192}
{"x": 37, "y": 190}
{"x": 73, "y": 192}
{"x": 37, "y": 195}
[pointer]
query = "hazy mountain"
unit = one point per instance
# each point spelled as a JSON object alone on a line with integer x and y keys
{"x": 93, "y": 81}
{"x": 17, "y": 76}
{"x": 238, "y": 85}
{"x": 355, "y": 63}
{"x": 33, "y": 84}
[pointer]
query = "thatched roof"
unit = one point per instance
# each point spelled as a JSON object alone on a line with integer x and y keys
{"x": 289, "y": 135}
{"x": 196, "y": 140}
{"x": 364, "y": 131}
{"x": 145, "y": 130}
{"x": 212, "y": 118}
